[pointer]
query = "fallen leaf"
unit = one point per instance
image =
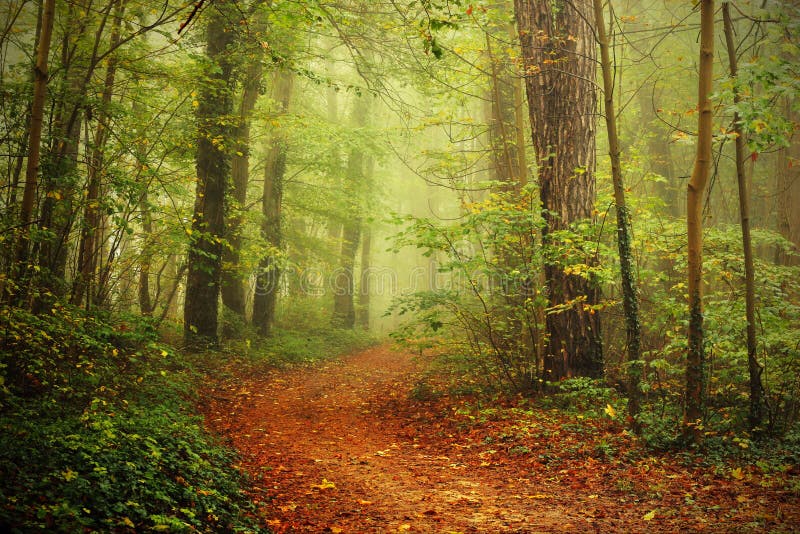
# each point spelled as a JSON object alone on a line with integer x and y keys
{"x": 326, "y": 484}
{"x": 649, "y": 516}
{"x": 737, "y": 473}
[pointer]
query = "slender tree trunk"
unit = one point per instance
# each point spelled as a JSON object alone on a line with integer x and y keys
{"x": 269, "y": 269}
{"x": 88, "y": 249}
{"x": 630, "y": 297}
{"x": 234, "y": 290}
{"x": 756, "y": 412}
{"x": 213, "y": 165}
{"x": 559, "y": 57}
{"x": 362, "y": 317}
{"x": 145, "y": 257}
{"x": 696, "y": 192}
{"x": 34, "y": 141}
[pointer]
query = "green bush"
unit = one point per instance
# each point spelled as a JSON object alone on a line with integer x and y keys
{"x": 96, "y": 432}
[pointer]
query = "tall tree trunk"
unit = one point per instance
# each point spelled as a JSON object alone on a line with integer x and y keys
{"x": 234, "y": 290}
{"x": 788, "y": 192}
{"x": 344, "y": 312}
{"x": 630, "y": 297}
{"x": 146, "y": 307}
{"x": 84, "y": 33}
{"x": 269, "y": 271}
{"x": 756, "y": 412}
{"x": 213, "y": 165}
{"x": 364, "y": 289}
{"x": 34, "y": 142}
{"x": 88, "y": 249}
{"x": 559, "y": 56}
{"x": 695, "y": 196}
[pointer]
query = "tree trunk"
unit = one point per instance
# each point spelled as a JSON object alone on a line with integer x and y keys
{"x": 34, "y": 143}
{"x": 85, "y": 280}
{"x": 788, "y": 193}
{"x": 756, "y": 412}
{"x": 362, "y": 317}
{"x": 696, "y": 191}
{"x": 630, "y": 297}
{"x": 559, "y": 57}
{"x": 213, "y": 165}
{"x": 344, "y": 314}
{"x": 269, "y": 271}
{"x": 234, "y": 290}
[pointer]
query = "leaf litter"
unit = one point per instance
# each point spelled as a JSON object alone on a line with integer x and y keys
{"x": 343, "y": 446}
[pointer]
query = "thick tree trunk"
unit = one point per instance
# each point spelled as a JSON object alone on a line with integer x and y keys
{"x": 34, "y": 143}
{"x": 559, "y": 56}
{"x": 344, "y": 314}
{"x": 696, "y": 192}
{"x": 213, "y": 165}
{"x": 630, "y": 297}
{"x": 234, "y": 290}
{"x": 756, "y": 412}
{"x": 269, "y": 271}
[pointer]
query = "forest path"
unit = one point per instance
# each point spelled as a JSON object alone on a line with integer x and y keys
{"x": 339, "y": 447}
{"x": 343, "y": 446}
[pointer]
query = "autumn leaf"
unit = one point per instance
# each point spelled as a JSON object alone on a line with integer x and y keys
{"x": 737, "y": 473}
{"x": 610, "y": 411}
{"x": 649, "y": 516}
{"x": 326, "y": 484}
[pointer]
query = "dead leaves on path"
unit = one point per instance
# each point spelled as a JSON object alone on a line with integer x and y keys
{"x": 342, "y": 448}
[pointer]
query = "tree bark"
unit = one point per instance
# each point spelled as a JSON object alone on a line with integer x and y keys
{"x": 756, "y": 412}
{"x": 344, "y": 313}
{"x": 88, "y": 249}
{"x": 559, "y": 57}
{"x": 630, "y": 297}
{"x": 696, "y": 192}
{"x": 362, "y": 315}
{"x": 269, "y": 270}
{"x": 213, "y": 165}
{"x": 34, "y": 143}
{"x": 234, "y": 290}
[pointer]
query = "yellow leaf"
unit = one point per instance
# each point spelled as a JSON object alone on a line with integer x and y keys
{"x": 128, "y": 522}
{"x": 610, "y": 411}
{"x": 404, "y": 528}
{"x": 164, "y": 353}
{"x": 737, "y": 473}
{"x": 69, "y": 474}
{"x": 649, "y": 516}
{"x": 326, "y": 484}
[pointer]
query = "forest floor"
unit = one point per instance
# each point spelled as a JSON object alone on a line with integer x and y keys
{"x": 346, "y": 446}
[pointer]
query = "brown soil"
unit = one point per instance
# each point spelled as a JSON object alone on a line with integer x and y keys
{"x": 342, "y": 446}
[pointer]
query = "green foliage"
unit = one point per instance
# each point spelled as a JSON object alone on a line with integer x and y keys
{"x": 96, "y": 432}
{"x": 484, "y": 300}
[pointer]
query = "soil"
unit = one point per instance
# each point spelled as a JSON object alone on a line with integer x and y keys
{"x": 350, "y": 446}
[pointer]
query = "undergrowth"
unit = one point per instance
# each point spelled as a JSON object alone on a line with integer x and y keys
{"x": 97, "y": 432}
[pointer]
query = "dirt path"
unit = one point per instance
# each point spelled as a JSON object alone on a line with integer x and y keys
{"x": 340, "y": 447}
